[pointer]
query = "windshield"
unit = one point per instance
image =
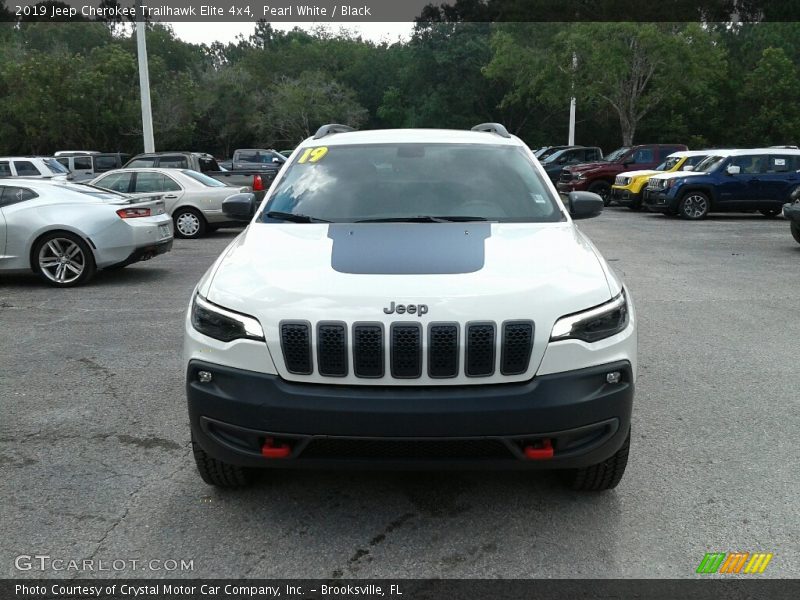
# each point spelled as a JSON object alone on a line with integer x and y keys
{"x": 616, "y": 154}
{"x": 553, "y": 157}
{"x": 406, "y": 181}
{"x": 668, "y": 164}
{"x": 55, "y": 166}
{"x": 548, "y": 152}
{"x": 204, "y": 179}
{"x": 709, "y": 164}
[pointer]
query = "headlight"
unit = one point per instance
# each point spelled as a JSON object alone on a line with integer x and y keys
{"x": 673, "y": 182}
{"x": 580, "y": 176}
{"x": 221, "y": 324}
{"x": 594, "y": 324}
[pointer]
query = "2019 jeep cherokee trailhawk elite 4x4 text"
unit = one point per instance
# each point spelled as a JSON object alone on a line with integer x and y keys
{"x": 411, "y": 298}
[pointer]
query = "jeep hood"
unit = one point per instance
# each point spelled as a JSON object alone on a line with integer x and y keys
{"x": 644, "y": 173}
{"x": 463, "y": 272}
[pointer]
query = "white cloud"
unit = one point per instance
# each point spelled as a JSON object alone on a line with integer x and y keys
{"x": 207, "y": 33}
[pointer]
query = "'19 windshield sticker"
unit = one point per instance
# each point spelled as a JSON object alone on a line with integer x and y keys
{"x": 312, "y": 155}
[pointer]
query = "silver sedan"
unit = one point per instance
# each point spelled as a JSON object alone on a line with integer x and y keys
{"x": 65, "y": 231}
{"x": 194, "y": 200}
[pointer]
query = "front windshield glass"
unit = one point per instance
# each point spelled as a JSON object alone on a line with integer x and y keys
{"x": 55, "y": 166}
{"x": 668, "y": 164}
{"x": 403, "y": 181}
{"x": 709, "y": 164}
{"x": 547, "y": 153}
{"x": 554, "y": 156}
{"x": 616, "y": 154}
{"x": 202, "y": 178}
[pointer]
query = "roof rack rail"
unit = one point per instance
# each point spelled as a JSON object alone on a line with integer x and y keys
{"x": 330, "y": 129}
{"x": 492, "y": 128}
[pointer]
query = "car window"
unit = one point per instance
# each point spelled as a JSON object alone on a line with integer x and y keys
{"x": 780, "y": 164}
{"x": 173, "y": 162}
{"x": 395, "y": 181}
{"x": 104, "y": 163}
{"x": 247, "y": 157}
{"x": 693, "y": 161}
{"x": 141, "y": 163}
{"x": 5, "y": 169}
{"x": 642, "y": 155}
{"x": 26, "y": 168}
{"x": 119, "y": 182}
{"x": 64, "y": 162}
{"x": 10, "y": 194}
{"x": 751, "y": 164}
{"x": 617, "y": 154}
{"x": 55, "y": 166}
{"x": 83, "y": 162}
{"x": 149, "y": 182}
{"x": 168, "y": 184}
{"x": 208, "y": 164}
{"x": 204, "y": 179}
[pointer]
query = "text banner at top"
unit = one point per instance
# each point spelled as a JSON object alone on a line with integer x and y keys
{"x": 350, "y": 11}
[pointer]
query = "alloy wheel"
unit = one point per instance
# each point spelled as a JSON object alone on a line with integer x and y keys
{"x": 62, "y": 261}
{"x": 695, "y": 206}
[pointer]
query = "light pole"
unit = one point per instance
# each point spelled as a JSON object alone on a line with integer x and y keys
{"x": 571, "y": 141}
{"x": 144, "y": 84}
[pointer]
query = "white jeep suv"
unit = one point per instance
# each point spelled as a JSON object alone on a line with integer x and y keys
{"x": 411, "y": 298}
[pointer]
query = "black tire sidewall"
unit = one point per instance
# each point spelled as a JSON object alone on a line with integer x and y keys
{"x": 795, "y": 229}
{"x": 201, "y": 230}
{"x": 601, "y": 185}
{"x": 88, "y": 270}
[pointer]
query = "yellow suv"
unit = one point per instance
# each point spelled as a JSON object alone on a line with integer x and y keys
{"x": 628, "y": 187}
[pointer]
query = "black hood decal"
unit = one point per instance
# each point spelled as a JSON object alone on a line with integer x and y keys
{"x": 408, "y": 248}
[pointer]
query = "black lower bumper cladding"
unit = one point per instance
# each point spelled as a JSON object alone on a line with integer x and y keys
{"x": 144, "y": 253}
{"x": 564, "y": 420}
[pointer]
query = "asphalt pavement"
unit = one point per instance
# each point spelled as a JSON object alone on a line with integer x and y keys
{"x": 95, "y": 461}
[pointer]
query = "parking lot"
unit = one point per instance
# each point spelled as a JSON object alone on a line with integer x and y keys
{"x": 95, "y": 460}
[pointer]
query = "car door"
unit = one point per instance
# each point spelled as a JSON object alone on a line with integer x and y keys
{"x": 13, "y": 236}
{"x": 152, "y": 182}
{"x": 780, "y": 178}
{"x": 740, "y": 190}
{"x": 82, "y": 168}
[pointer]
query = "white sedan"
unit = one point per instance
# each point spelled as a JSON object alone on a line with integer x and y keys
{"x": 194, "y": 200}
{"x": 65, "y": 231}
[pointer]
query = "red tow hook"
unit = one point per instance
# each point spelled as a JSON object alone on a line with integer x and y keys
{"x": 542, "y": 452}
{"x": 270, "y": 449}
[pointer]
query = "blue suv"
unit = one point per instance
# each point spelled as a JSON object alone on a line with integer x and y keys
{"x": 735, "y": 180}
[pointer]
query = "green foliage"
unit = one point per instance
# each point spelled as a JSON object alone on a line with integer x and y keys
{"x": 76, "y": 84}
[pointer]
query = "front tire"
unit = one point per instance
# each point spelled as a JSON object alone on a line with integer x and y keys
{"x": 795, "y": 227}
{"x": 602, "y": 189}
{"x": 694, "y": 206}
{"x": 189, "y": 223}
{"x": 217, "y": 473}
{"x": 63, "y": 259}
{"x": 603, "y": 476}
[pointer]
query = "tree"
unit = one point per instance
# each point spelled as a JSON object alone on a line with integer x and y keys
{"x": 300, "y": 105}
{"x": 772, "y": 116}
{"x": 638, "y": 67}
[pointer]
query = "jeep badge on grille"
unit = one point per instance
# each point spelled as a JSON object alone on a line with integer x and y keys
{"x": 419, "y": 309}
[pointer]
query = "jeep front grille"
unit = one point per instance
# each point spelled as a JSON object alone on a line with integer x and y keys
{"x": 412, "y": 348}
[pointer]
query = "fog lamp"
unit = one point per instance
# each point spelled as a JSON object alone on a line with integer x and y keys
{"x": 204, "y": 376}
{"x": 613, "y": 377}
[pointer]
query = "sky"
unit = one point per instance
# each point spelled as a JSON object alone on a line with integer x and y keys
{"x": 199, "y": 33}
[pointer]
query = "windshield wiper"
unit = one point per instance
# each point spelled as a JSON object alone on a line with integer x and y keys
{"x": 423, "y": 219}
{"x": 294, "y": 218}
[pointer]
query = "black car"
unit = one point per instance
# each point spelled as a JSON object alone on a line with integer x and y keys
{"x": 568, "y": 156}
{"x": 792, "y": 212}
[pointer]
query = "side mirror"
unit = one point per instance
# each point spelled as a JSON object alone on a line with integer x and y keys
{"x": 584, "y": 205}
{"x": 275, "y": 159}
{"x": 733, "y": 170}
{"x": 795, "y": 195}
{"x": 688, "y": 168}
{"x": 239, "y": 207}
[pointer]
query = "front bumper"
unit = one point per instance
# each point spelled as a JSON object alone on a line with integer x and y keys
{"x": 574, "y": 185}
{"x": 657, "y": 201}
{"x": 585, "y": 418}
{"x": 625, "y": 197}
